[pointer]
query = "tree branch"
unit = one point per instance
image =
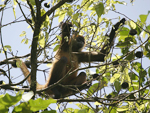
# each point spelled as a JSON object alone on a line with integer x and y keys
{"x": 34, "y": 46}
{"x": 49, "y": 12}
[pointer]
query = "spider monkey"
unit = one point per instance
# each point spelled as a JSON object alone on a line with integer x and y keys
{"x": 64, "y": 61}
{"x": 68, "y": 58}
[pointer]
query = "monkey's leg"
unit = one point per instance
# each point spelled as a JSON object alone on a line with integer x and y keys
{"x": 80, "y": 79}
{"x": 57, "y": 72}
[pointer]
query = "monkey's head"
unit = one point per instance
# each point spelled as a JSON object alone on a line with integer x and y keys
{"x": 78, "y": 43}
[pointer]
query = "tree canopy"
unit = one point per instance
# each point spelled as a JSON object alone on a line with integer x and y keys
{"x": 119, "y": 84}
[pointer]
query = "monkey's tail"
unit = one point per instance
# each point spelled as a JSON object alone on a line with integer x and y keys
{"x": 24, "y": 69}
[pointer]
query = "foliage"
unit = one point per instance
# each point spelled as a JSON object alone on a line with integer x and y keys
{"x": 107, "y": 93}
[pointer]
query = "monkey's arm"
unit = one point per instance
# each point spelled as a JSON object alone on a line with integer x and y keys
{"x": 65, "y": 33}
{"x": 99, "y": 56}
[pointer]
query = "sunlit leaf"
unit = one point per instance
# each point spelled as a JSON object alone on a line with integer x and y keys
{"x": 97, "y": 103}
{"x": 40, "y": 104}
{"x": 15, "y": 3}
{"x": 22, "y": 40}
{"x": 27, "y": 96}
{"x": 124, "y": 32}
{"x": 59, "y": 37}
{"x": 14, "y": 12}
{"x": 123, "y": 108}
{"x": 61, "y": 17}
{"x": 22, "y": 34}
{"x": 42, "y": 41}
{"x": 49, "y": 65}
{"x": 114, "y": 77}
{"x": 132, "y": 24}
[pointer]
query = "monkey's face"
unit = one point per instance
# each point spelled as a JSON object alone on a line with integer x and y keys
{"x": 78, "y": 43}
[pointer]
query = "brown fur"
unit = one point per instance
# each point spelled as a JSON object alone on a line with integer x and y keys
{"x": 64, "y": 62}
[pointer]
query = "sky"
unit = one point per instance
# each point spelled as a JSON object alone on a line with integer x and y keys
{"x": 10, "y": 33}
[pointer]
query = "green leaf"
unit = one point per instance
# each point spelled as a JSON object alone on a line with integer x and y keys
{"x": 143, "y": 18}
{"x": 56, "y": 48}
{"x": 123, "y": 44}
{"x": 130, "y": 56}
{"x": 136, "y": 66}
{"x": 133, "y": 76}
{"x": 23, "y": 40}
{"x": 59, "y": 37}
{"x": 61, "y": 17}
{"x": 22, "y": 108}
{"x": 95, "y": 87}
{"x": 52, "y": 111}
{"x": 115, "y": 76}
{"x": 22, "y": 34}
{"x": 99, "y": 8}
{"x": 40, "y": 104}
{"x": 117, "y": 86}
{"x": 26, "y": 42}
{"x": 3, "y": 108}
{"x": 7, "y": 47}
{"x": 42, "y": 41}
{"x": 123, "y": 108}
{"x": 134, "y": 86}
{"x": 86, "y": 5}
{"x": 82, "y": 111}
{"x": 9, "y": 100}
{"x": 46, "y": 23}
{"x": 124, "y": 32}
{"x": 75, "y": 16}
{"x": 15, "y": 3}
{"x": 148, "y": 27}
